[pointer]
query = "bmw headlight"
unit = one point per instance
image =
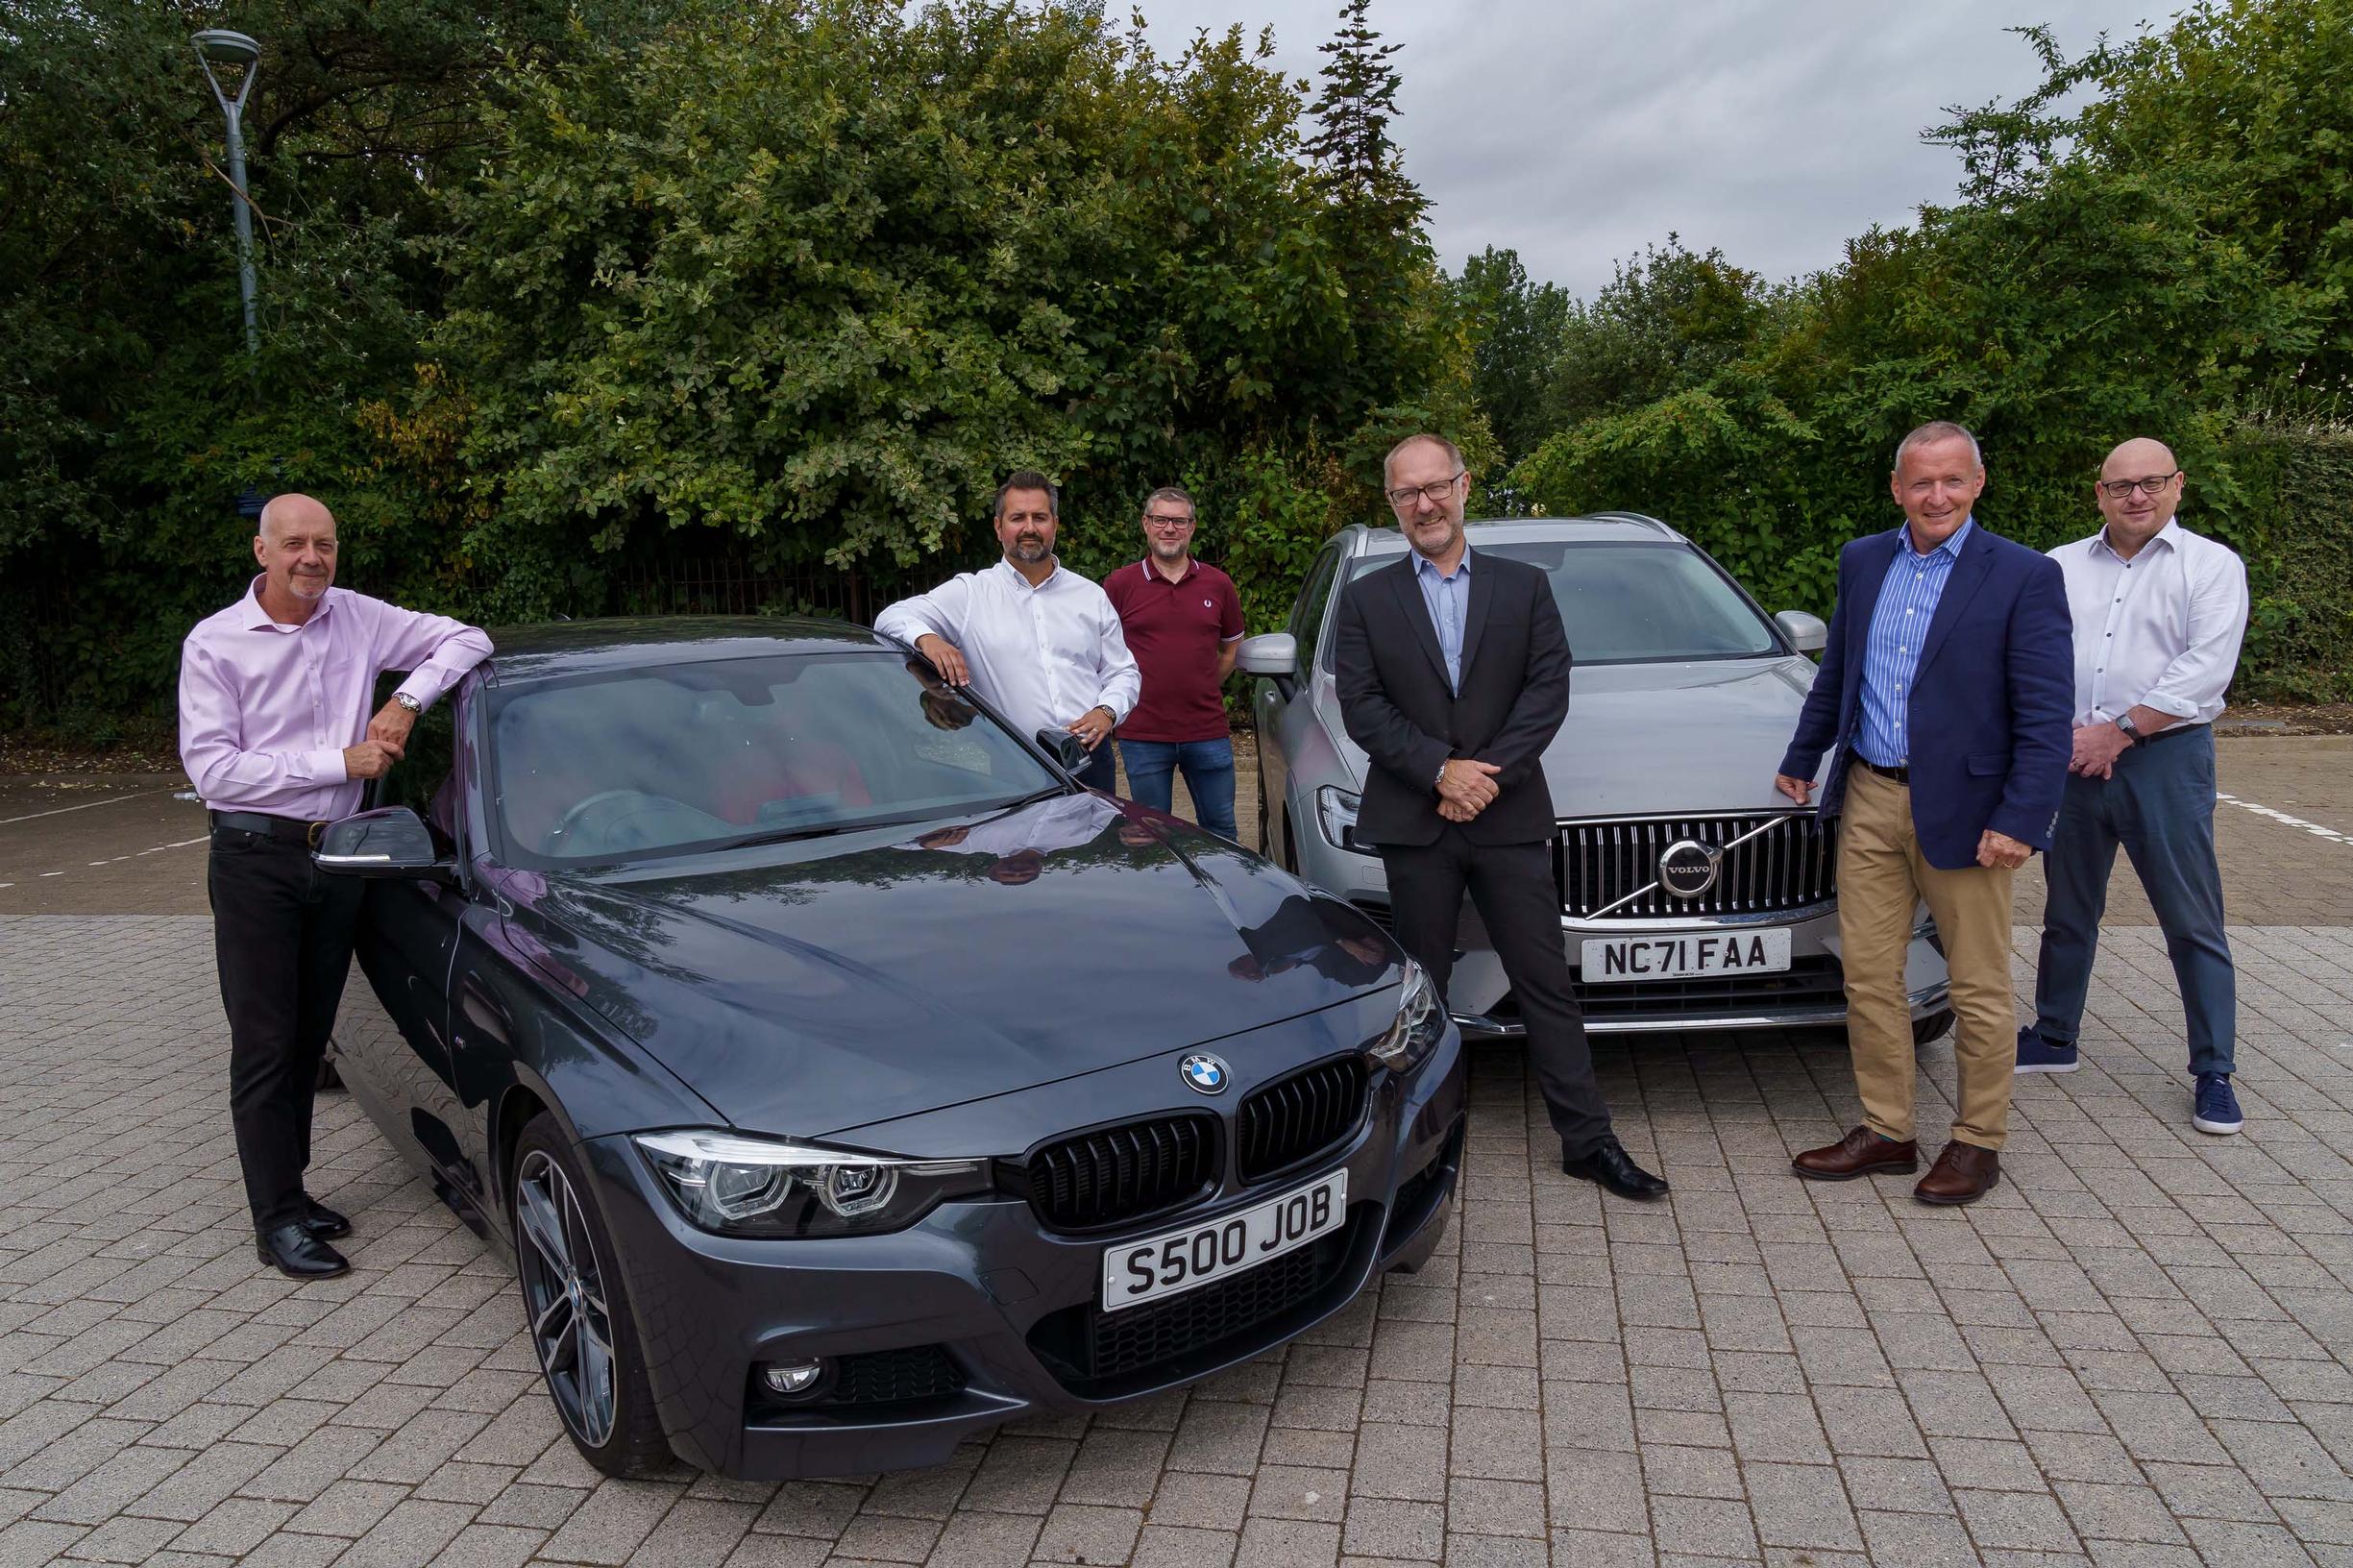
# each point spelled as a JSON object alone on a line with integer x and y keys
{"x": 740, "y": 1185}
{"x": 1337, "y": 809}
{"x": 1421, "y": 1021}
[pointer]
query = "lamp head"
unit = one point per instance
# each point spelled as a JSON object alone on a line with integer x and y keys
{"x": 222, "y": 47}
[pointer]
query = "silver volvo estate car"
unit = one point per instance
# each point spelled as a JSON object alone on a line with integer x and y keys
{"x": 1692, "y": 896}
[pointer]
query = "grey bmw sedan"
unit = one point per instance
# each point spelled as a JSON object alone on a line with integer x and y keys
{"x": 842, "y": 1077}
{"x": 1691, "y": 895}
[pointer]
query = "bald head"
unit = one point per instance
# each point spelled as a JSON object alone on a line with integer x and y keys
{"x": 293, "y": 510}
{"x": 296, "y": 548}
{"x": 2136, "y": 457}
{"x": 2139, "y": 490}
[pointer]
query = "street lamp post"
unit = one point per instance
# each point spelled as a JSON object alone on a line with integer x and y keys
{"x": 217, "y": 46}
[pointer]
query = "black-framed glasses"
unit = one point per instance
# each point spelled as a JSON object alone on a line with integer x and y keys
{"x": 1160, "y": 520}
{"x": 2122, "y": 489}
{"x": 1433, "y": 492}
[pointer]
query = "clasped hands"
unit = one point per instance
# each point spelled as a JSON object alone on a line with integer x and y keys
{"x": 386, "y": 744}
{"x": 1466, "y": 786}
{"x": 2097, "y": 748}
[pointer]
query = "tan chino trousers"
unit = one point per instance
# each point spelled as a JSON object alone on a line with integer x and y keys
{"x": 1881, "y": 877}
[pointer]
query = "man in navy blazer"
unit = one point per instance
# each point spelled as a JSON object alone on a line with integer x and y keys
{"x": 1945, "y": 700}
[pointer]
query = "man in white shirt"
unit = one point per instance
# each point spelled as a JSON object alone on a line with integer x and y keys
{"x": 2159, "y": 613}
{"x": 1042, "y": 646}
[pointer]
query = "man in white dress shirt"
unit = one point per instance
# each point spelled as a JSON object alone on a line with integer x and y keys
{"x": 1041, "y": 645}
{"x": 2159, "y": 613}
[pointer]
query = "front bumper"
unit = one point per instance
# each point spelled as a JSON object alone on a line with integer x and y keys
{"x": 1810, "y": 994}
{"x": 970, "y": 1312}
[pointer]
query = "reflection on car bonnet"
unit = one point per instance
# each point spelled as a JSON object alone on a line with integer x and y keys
{"x": 1063, "y": 823}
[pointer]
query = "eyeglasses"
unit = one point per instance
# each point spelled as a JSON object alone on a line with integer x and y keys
{"x": 2122, "y": 489}
{"x": 1161, "y": 520}
{"x": 1433, "y": 492}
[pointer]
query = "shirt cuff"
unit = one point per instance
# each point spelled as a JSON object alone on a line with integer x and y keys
{"x": 326, "y": 766}
{"x": 425, "y": 692}
{"x": 2180, "y": 707}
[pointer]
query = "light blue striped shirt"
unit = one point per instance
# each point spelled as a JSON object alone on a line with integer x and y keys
{"x": 1908, "y": 597}
{"x": 1449, "y": 600}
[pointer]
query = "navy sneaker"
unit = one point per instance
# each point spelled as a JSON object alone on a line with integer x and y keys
{"x": 2035, "y": 1054}
{"x": 2218, "y": 1108}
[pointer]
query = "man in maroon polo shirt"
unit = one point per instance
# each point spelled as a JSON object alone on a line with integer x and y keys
{"x": 1183, "y": 625}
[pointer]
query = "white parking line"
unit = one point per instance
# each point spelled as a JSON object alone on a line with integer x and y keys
{"x": 2313, "y": 829}
{"x": 85, "y": 805}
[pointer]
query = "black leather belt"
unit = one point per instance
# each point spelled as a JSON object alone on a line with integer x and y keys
{"x": 289, "y": 829}
{"x": 1901, "y": 775}
{"x": 2168, "y": 733}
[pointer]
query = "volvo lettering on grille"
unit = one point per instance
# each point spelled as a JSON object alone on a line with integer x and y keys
{"x": 1689, "y": 868}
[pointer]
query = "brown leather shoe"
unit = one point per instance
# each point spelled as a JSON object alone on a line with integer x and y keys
{"x": 1860, "y": 1153}
{"x": 1963, "y": 1173}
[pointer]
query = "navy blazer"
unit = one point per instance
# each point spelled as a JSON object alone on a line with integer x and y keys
{"x": 1992, "y": 705}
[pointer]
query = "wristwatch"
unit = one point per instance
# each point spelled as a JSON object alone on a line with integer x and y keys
{"x": 2130, "y": 730}
{"x": 407, "y": 702}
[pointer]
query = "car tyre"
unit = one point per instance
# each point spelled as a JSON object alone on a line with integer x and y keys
{"x": 576, "y": 1307}
{"x": 1931, "y": 1027}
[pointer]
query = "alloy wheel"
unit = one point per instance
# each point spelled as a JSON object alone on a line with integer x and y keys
{"x": 563, "y": 1290}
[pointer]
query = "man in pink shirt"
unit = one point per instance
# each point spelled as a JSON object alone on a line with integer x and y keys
{"x": 276, "y": 734}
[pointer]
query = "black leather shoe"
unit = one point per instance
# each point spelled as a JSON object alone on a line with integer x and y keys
{"x": 1609, "y": 1164}
{"x": 298, "y": 1255}
{"x": 323, "y": 1222}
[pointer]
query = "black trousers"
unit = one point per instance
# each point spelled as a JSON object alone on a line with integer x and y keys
{"x": 282, "y": 934}
{"x": 1511, "y": 886}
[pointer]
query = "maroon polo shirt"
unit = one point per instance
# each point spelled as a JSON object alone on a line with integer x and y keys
{"x": 1176, "y": 630}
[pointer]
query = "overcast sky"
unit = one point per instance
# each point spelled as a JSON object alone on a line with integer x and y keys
{"x": 1576, "y": 131}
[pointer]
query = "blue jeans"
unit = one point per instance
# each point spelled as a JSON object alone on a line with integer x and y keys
{"x": 2160, "y": 808}
{"x": 1209, "y": 776}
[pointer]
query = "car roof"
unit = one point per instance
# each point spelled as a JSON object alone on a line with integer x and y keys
{"x": 554, "y": 649}
{"x": 1633, "y": 527}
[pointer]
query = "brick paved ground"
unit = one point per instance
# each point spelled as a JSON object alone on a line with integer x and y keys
{"x": 2135, "y": 1352}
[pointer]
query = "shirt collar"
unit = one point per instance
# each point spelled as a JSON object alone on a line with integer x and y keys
{"x": 1949, "y": 546}
{"x": 257, "y": 618}
{"x": 1014, "y": 573}
{"x": 2169, "y": 536}
{"x": 1193, "y": 569}
{"x": 1423, "y": 566}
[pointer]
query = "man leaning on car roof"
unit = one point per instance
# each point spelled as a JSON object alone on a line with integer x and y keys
{"x": 276, "y": 736}
{"x": 1039, "y": 642}
{"x": 1945, "y": 700}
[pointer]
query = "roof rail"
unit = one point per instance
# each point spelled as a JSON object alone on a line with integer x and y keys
{"x": 1643, "y": 518}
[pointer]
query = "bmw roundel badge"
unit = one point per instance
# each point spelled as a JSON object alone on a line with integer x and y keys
{"x": 1203, "y": 1073}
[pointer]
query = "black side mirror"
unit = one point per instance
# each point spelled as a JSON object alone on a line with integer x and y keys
{"x": 392, "y": 842}
{"x": 1067, "y": 749}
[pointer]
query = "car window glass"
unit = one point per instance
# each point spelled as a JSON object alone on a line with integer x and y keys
{"x": 1635, "y": 602}
{"x": 664, "y": 759}
{"x": 1307, "y": 622}
{"x": 424, "y": 778}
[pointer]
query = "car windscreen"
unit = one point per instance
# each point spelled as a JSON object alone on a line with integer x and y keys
{"x": 1636, "y": 603}
{"x": 672, "y": 759}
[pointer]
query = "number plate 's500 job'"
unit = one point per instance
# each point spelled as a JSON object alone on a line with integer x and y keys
{"x": 1134, "y": 1272}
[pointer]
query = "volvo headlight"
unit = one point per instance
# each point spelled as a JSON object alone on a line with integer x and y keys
{"x": 1337, "y": 809}
{"x": 741, "y": 1186}
{"x": 1421, "y": 1020}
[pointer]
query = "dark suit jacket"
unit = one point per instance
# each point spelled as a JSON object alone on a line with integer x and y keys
{"x": 1993, "y": 703}
{"x": 1395, "y": 701}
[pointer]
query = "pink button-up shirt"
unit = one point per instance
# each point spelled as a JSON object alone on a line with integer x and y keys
{"x": 266, "y": 710}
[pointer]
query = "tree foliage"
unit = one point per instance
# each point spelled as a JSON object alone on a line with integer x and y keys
{"x": 2167, "y": 258}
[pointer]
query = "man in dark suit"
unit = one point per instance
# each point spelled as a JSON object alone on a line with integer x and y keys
{"x": 1946, "y": 700}
{"x": 1454, "y": 676}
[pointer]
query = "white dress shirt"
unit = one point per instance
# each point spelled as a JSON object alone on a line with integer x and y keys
{"x": 2161, "y": 630}
{"x": 1041, "y": 657}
